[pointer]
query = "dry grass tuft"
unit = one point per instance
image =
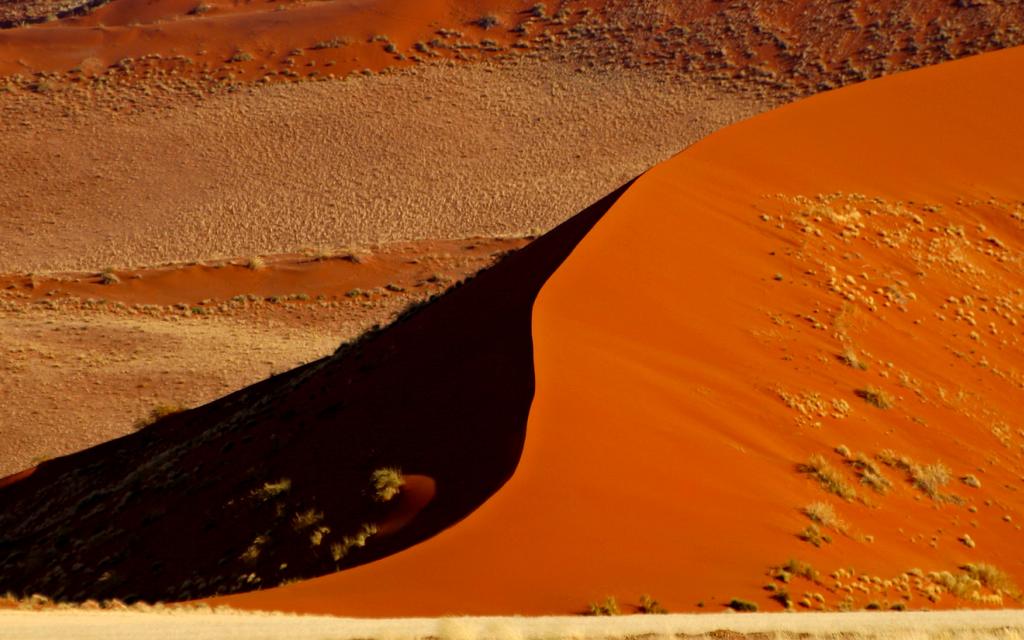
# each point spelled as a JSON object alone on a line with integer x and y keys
{"x": 814, "y": 536}
{"x": 255, "y": 263}
{"x": 107, "y": 276}
{"x": 850, "y": 358}
{"x": 827, "y": 476}
{"x": 306, "y": 519}
{"x": 927, "y": 478}
{"x": 272, "y": 489}
{"x": 870, "y": 474}
{"x": 822, "y": 513}
{"x": 875, "y": 397}
{"x": 318, "y": 535}
{"x": 793, "y": 567}
{"x": 607, "y": 608}
{"x": 341, "y": 549}
{"x": 992, "y": 578}
{"x": 738, "y": 604}
{"x": 158, "y": 413}
{"x": 649, "y": 605}
{"x": 252, "y": 552}
{"x": 387, "y": 483}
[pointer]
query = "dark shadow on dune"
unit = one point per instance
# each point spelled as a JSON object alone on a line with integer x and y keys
{"x": 272, "y": 483}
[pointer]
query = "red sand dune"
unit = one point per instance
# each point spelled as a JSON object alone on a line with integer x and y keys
{"x": 686, "y": 358}
{"x": 267, "y": 31}
{"x": 802, "y": 46}
{"x": 660, "y": 452}
{"x": 262, "y": 484}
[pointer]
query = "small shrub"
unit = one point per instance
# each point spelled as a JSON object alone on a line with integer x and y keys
{"x": 782, "y": 597}
{"x": 107, "y": 276}
{"x": 737, "y": 604}
{"x": 813, "y": 535}
{"x": 240, "y": 56}
{"x": 650, "y": 605}
{"x": 387, "y": 483}
{"x": 823, "y": 514}
{"x": 200, "y": 9}
{"x": 607, "y": 608}
{"x": 157, "y": 413}
{"x": 488, "y": 21}
{"x": 252, "y": 553}
{"x": 850, "y": 358}
{"x": 355, "y": 256}
{"x": 870, "y": 474}
{"x": 255, "y": 263}
{"x": 875, "y": 397}
{"x": 341, "y": 549}
{"x": 333, "y": 43}
{"x": 306, "y": 519}
{"x": 538, "y": 10}
{"x": 272, "y": 489}
{"x": 41, "y": 86}
{"x": 792, "y": 568}
{"x": 992, "y": 578}
{"x": 930, "y": 478}
{"x": 318, "y": 534}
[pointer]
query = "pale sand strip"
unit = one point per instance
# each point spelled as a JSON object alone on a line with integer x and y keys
{"x": 192, "y": 625}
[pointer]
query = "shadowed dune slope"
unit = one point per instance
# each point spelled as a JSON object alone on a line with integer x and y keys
{"x": 273, "y": 483}
{"x": 819, "y": 306}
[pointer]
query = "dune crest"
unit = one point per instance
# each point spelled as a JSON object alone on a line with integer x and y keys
{"x": 788, "y": 356}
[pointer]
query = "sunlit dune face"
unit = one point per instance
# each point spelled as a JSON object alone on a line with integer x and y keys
{"x": 782, "y": 370}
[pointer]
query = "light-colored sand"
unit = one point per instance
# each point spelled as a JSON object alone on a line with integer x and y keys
{"x": 109, "y": 625}
{"x": 444, "y": 153}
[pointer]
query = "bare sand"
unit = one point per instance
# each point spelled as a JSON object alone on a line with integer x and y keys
{"x": 185, "y": 625}
{"x": 440, "y": 154}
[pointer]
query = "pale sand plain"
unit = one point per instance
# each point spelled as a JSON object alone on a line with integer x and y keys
{"x": 440, "y": 153}
{"x": 207, "y": 625}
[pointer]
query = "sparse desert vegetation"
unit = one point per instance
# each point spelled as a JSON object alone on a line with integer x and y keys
{"x": 387, "y": 482}
{"x": 488, "y": 413}
{"x": 830, "y": 479}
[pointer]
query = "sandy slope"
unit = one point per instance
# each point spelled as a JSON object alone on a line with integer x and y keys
{"x": 55, "y": 625}
{"x": 687, "y": 357}
{"x": 273, "y": 482}
{"x": 81, "y": 362}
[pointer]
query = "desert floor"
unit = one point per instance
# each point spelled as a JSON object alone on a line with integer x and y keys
{"x": 205, "y": 625}
{"x": 412, "y": 164}
{"x": 173, "y": 231}
{"x": 183, "y": 335}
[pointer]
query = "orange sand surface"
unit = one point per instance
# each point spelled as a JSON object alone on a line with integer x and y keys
{"x": 689, "y": 355}
{"x": 339, "y": 34}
